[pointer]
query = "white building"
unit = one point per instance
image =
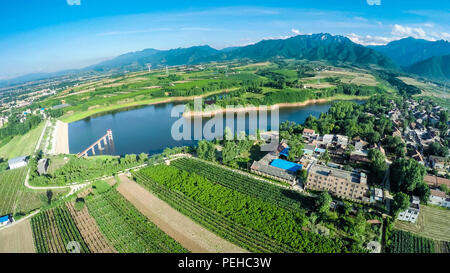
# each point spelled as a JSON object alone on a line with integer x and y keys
{"x": 327, "y": 139}
{"x": 439, "y": 198}
{"x": 17, "y": 162}
{"x": 378, "y": 194}
{"x": 412, "y": 213}
{"x": 342, "y": 141}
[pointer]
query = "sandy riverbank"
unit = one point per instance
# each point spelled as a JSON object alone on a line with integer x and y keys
{"x": 210, "y": 113}
{"x": 62, "y": 138}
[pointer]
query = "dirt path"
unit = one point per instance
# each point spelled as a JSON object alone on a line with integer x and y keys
{"x": 17, "y": 238}
{"x": 189, "y": 234}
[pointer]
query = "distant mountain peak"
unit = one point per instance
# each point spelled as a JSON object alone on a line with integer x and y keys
{"x": 408, "y": 51}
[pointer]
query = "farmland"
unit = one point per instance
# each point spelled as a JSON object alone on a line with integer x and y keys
{"x": 15, "y": 198}
{"x": 184, "y": 230}
{"x": 89, "y": 230}
{"x": 126, "y": 228}
{"x": 282, "y": 226}
{"x": 432, "y": 223}
{"x": 10, "y": 184}
{"x": 226, "y": 228}
{"x": 245, "y": 184}
{"x": 405, "y": 242}
{"x": 54, "y": 229}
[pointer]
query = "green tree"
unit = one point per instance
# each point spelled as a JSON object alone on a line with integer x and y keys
{"x": 143, "y": 157}
{"x": 401, "y": 203}
{"x": 323, "y": 202}
{"x": 229, "y": 152}
{"x": 377, "y": 166}
{"x": 406, "y": 174}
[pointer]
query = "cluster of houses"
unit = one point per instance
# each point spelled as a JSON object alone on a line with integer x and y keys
{"x": 421, "y": 133}
{"x": 332, "y": 177}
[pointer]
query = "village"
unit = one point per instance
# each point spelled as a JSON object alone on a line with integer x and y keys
{"x": 340, "y": 166}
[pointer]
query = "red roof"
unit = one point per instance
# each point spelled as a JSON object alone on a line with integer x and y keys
{"x": 438, "y": 193}
{"x": 433, "y": 180}
{"x": 308, "y": 131}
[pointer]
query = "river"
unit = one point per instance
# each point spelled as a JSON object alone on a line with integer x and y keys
{"x": 148, "y": 128}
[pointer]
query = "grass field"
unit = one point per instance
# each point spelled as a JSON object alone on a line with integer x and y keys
{"x": 432, "y": 223}
{"x": 22, "y": 145}
{"x": 16, "y": 198}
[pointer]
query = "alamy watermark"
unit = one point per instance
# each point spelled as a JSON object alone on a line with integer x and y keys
{"x": 191, "y": 127}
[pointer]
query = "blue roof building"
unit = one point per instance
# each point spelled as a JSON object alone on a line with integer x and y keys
{"x": 286, "y": 165}
{"x": 5, "y": 220}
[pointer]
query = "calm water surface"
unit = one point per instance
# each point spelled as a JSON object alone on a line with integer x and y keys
{"x": 148, "y": 129}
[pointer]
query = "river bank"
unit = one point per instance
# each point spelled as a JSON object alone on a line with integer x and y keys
{"x": 62, "y": 138}
{"x": 72, "y": 117}
{"x": 210, "y": 113}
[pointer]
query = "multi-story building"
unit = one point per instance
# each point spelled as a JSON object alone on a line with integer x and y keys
{"x": 341, "y": 183}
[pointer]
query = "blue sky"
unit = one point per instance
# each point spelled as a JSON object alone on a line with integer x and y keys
{"x": 51, "y": 35}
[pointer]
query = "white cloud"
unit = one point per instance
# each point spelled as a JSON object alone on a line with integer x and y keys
{"x": 73, "y": 2}
{"x": 405, "y": 31}
{"x": 419, "y": 33}
{"x": 296, "y": 31}
{"x": 369, "y": 39}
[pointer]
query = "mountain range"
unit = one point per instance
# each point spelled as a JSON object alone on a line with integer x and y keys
{"x": 408, "y": 51}
{"x": 310, "y": 47}
{"x": 437, "y": 67}
{"x": 417, "y": 56}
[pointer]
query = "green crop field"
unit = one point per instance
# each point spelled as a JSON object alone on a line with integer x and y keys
{"x": 54, "y": 229}
{"x": 405, "y": 242}
{"x": 126, "y": 228}
{"x": 286, "y": 228}
{"x": 285, "y": 198}
{"x": 16, "y": 198}
{"x": 217, "y": 223}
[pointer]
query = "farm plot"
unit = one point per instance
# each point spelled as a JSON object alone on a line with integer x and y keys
{"x": 432, "y": 223}
{"x": 17, "y": 238}
{"x": 16, "y": 198}
{"x": 226, "y": 228}
{"x": 54, "y": 231}
{"x": 405, "y": 242}
{"x": 184, "y": 230}
{"x": 126, "y": 228}
{"x": 286, "y": 228}
{"x": 10, "y": 185}
{"x": 88, "y": 228}
{"x": 284, "y": 198}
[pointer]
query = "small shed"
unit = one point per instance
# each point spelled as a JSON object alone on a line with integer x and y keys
{"x": 42, "y": 166}
{"x": 17, "y": 162}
